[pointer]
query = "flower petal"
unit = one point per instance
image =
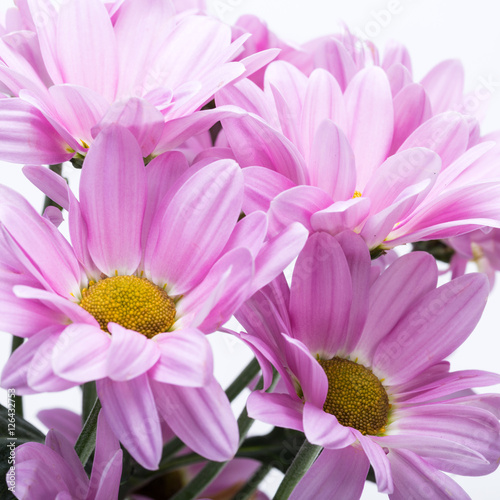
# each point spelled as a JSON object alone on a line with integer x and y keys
{"x": 131, "y": 407}
{"x": 185, "y": 358}
{"x": 51, "y": 184}
{"x": 433, "y": 329}
{"x": 336, "y": 473}
{"x": 113, "y": 200}
{"x": 197, "y": 223}
{"x": 201, "y": 417}
{"x": 130, "y": 354}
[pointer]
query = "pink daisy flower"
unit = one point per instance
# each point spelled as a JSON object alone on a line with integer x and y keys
{"x": 362, "y": 360}
{"x": 362, "y": 158}
{"x": 85, "y": 64}
{"x": 53, "y": 469}
{"x": 158, "y": 259}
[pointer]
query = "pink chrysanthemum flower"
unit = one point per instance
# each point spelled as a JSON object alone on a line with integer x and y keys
{"x": 158, "y": 260}
{"x": 362, "y": 360}
{"x": 366, "y": 158}
{"x": 53, "y": 470}
{"x": 84, "y": 64}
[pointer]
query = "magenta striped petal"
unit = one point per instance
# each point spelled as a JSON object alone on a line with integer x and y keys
{"x": 281, "y": 410}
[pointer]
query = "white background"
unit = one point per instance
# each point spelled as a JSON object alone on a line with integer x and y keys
{"x": 433, "y": 30}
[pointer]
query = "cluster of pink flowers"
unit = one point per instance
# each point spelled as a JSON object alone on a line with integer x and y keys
{"x": 213, "y": 158}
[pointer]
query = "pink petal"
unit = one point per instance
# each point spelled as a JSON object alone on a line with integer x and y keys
{"x": 413, "y": 474}
{"x": 371, "y": 116}
{"x": 201, "y": 417}
{"x": 130, "y": 354}
{"x": 84, "y": 28}
{"x": 447, "y": 134}
{"x": 131, "y": 407}
{"x": 341, "y": 215}
{"x": 399, "y": 77}
{"x": 379, "y": 462}
{"x": 281, "y": 410}
{"x": 261, "y": 187}
{"x": 427, "y": 334}
{"x": 445, "y": 85}
{"x": 401, "y": 286}
{"x": 81, "y": 352}
{"x": 139, "y": 117}
{"x": 325, "y": 430}
{"x": 341, "y": 473}
{"x": 65, "y": 421}
{"x": 221, "y": 293}
{"x": 249, "y": 232}
{"x": 185, "y": 358}
{"x": 321, "y": 295}
{"x": 78, "y": 108}
{"x": 323, "y": 101}
{"x": 411, "y": 109}
{"x": 297, "y": 204}
{"x": 27, "y": 136}
{"x": 113, "y": 200}
{"x": 255, "y": 143}
{"x": 396, "y": 53}
{"x": 197, "y": 223}
{"x": 332, "y": 162}
{"x": 51, "y": 184}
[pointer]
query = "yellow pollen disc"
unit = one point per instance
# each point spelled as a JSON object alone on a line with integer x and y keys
{"x": 355, "y": 396}
{"x": 357, "y": 194}
{"x": 132, "y": 302}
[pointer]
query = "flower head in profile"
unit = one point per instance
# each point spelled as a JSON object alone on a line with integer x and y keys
{"x": 77, "y": 66}
{"x": 362, "y": 360}
{"x": 158, "y": 259}
{"x": 53, "y": 469}
{"x": 368, "y": 150}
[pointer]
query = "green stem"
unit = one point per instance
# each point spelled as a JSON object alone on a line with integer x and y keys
{"x": 89, "y": 396}
{"x": 301, "y": 464}
{"x": 18, "y": 400}
{"x": 85, "y": 444}
{"x": 243, "y": 379}
{"x": 48, "y": 202}
{"x": 249, "y": 488}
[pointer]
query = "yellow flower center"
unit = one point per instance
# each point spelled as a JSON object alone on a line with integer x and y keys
{"x": 357, "y": 194}
{"x": 132, "y": 302}
{"x": 355, "y": 396}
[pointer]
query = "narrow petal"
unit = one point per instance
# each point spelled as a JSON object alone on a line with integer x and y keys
{"x": 139, "y": 117}
{"x": 397, "y": 290}
{"x": 27, "y": 136}
{"x": 411, "y": 109}
{"x": 429, "y": 333}
{"x": 277, "y": 253}
{"x": 257, "y": 144}
{"x": 445, "y": 85}
{"x": 332, "y": 162}
{"x": 250, "y": 232}
{"x": 261, "y": 187}
{"x": 197, "y": 223}
{"x": 297, "y": 205}
{"x": 447, "y": 134}
{"x": 131, "y": 407}
{"x": 84, "y": 28}
{"x": 323, "y": 101}
{"x": 340, "y": 473}
{"x": 201, "y": 417}
{"x": 51, "y": 184}
{"x": 221, "y": 293}
{"x": 320, "y": 297}
{"x": 371, "y": 119}
{"x": 113, "y": 200}
{"x": 130, "y": 354}
{"x": 80, "y": 354}
{"x": 379, "y": 462}
{"x": 413, "y": 475}
{"x": 280, "y": 410}
{"x": 65, "y": 421}
{"x": 185, "y": 358}
{"x": 341, "y": 215}
{"x": 325, "y": 430}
